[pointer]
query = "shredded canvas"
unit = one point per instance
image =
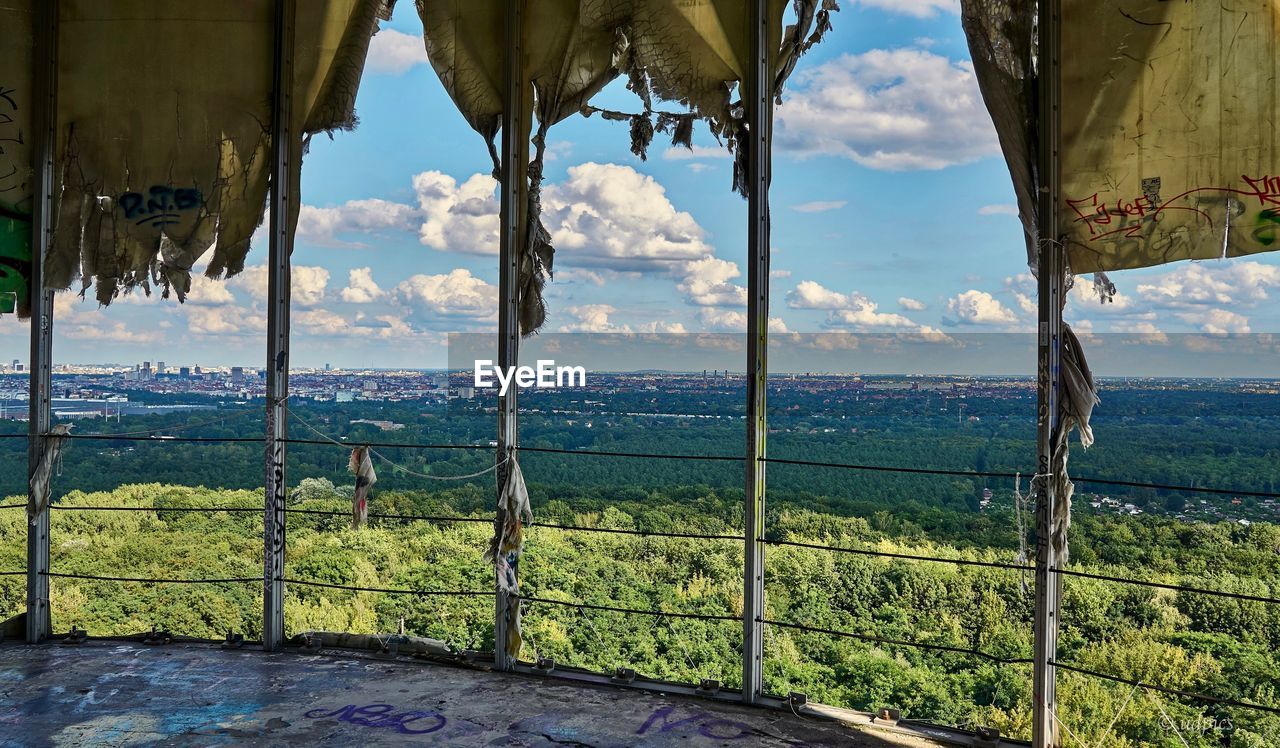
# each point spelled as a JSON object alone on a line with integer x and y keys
{"x": 163, "y": 131}
{"x": 361, "y": 466}
{"x": 50, "y": 455}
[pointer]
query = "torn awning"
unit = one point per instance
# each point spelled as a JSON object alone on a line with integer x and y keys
{"x": 1167, "y": 122}
{"x": 162, "y": 148}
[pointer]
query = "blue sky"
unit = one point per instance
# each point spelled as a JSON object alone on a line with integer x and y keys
{"x": 892, "y": 213}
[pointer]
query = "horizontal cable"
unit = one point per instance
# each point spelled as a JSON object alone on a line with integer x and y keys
{"x": 1170, "y": 691}
{"x": 409, "y": 517}
{"x": 908, "y": 556}
{"x": 226, "y": 416}
{"x": 209, "y": 509}
{"x": 12, "y": 506}
{"x": 888, "y": 469}
{"x": 419, "y": 593}
{"x": 641, "y": 455}
{"x": 897, "y": 642}
{"x": 986, "y": 474}
{"x": 384, "y": 445}
{"x": 1160, "y": 585}
{"x": 1166, "y": 487}
{"x": 228, "y": 580}
{"x": 162, "y": 438}
{"x": 12, "y": 573}
{"x": 15, "y": 436}
{"x": 632, "y": 611}
{"x": 643, "y": 533}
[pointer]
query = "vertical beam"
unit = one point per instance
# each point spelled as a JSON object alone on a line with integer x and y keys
{"x": 1051, "y": 266}
{"x": 513, "y": 214}
{"x": 278, "y": 278}
{"x": 759, "y": 155}
{"x": 45, "y": 98}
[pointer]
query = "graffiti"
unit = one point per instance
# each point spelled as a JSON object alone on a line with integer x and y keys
{"x": 383, "y": 715}
{"x": 161, "y": 206}
{"x": 1266, "y": 225}
{"x": 707, "y": 725}
{"x": 1128, "y": 217}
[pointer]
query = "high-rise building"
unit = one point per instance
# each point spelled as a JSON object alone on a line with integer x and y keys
{"x": 237, "y": 373}
{"x": 184, "y": 372}
{"x": 159, "y": 367}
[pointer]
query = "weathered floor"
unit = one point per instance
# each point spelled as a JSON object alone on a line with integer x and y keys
{"x": 113, "y": 694}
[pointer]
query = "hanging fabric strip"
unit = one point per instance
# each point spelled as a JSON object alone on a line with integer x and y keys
{"x": 361, "y": 466}
{"x": 50, "y": 455}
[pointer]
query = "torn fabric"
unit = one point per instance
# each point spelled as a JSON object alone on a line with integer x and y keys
{"x": 50, "y": 455}
{"x": 17, "y": 175}
{"x": 693, "y": 52}
{"x": 508, "y": 543}
{"x": 163, "y": 132}
{"x": 361, "y": 466}
{"x": 1079, "y": 395}
{"x": 1167, "y": 151}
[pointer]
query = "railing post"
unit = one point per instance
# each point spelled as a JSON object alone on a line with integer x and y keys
{"x": 278, "y": 279}
{"x": 1051, "y": 267}
{"x": 514, "y": 179}
{"x": 759, "y": 145}
{"x": 44, "y": 137}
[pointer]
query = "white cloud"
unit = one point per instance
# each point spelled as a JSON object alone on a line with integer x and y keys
{"x": 779, "y": 273}
{"x": 323, "y": 225}
{"x": 819, "y": 206}
{"x": 1000, "y": 209}
{"x": 1237, "y": 283}
{"x": 591, "y": 318}
{"x": 458, "y": 218}
{"x": 853, "y": 311}
{"x": 1216, "y": 321}
{"x": 394, "y": 52}
{"x": 611, "y": 216}
{"x": 915, "y": 8}
{"x": 207, "y": 292}
{"x": 975, "y": 307}
{"x": 896, "y": 110}
{"x": 225, "y": 320}
{"x": 696, "y": 153}
{"x": 728, "y": 320}
{"x": 455, "y": 294}
{"x": 361, "y": 288}
{"x": 706, "y": 282}
{"x": 910, "y": 304}
{"x": 307, "y": 282}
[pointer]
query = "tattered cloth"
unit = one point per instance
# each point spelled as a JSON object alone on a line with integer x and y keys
{"x": 51, "y": 447}
{"x": 163, "y": 129}
{"x": 508, "y": 543}
{"x": 694, "y": 52}
{"x": 1167, "y": 119}
{"x": 362, "y": 468}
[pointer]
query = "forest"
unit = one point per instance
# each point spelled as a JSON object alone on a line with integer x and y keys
{"x": 1173, "y": 639}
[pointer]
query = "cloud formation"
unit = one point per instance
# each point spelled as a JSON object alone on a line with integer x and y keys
{"x": 896, "y": 110}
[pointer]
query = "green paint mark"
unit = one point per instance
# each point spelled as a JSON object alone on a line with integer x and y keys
{"x": 1265, "y": 226}
{"x": 15, "y": 261}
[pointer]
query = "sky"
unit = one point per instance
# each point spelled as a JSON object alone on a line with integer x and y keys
{"x": 892, "y": 213}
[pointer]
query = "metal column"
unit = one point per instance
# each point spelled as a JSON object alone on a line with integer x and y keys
{"x": 759, "y": 145}
{"x": 45, "y": 98}
{"x": 514, "y": 206}
{"x": 1051, "y": 266}
{"x": 278, "y": 279}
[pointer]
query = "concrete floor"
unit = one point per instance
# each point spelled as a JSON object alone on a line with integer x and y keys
{"x": 118, "y": 694}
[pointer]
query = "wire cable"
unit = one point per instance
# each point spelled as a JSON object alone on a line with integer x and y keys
{"x": 209, "y": 509}
{"x": 94, "y": 577}
{"x": 407, "y": 517}
{"x": 185, "y": 427}
{"x": 640, "y": 455}
{"x": 12, "y": 506}
{"x": 898, "y": 642}
{"x": 384, "y": 445}
{"x": 1170, "y": 691}
{"x": 419, "y": 593}
{"x": 908, "y": 556}
{"x": 631, "y": 611}
{"x": 153, "y": 439}
{"x": 641, "y": 533}
{"x": 1163, "y": 586}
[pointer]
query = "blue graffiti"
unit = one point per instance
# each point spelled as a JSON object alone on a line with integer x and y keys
{"x": 161, "y": 205}
{"x": 382, "y": 715}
